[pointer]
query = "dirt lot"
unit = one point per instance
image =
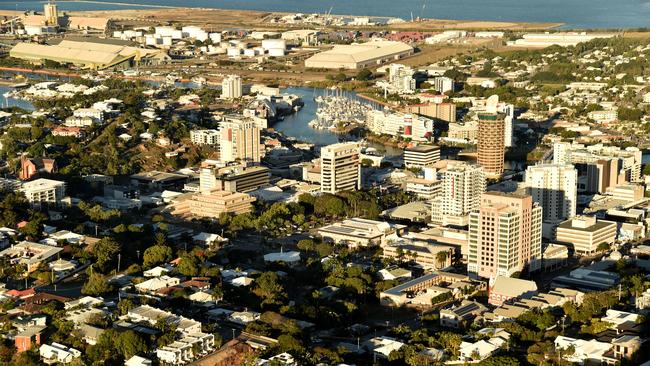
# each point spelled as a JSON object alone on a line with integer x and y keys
{"x": 239, "y": 18}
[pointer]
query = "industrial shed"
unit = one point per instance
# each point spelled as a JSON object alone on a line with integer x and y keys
{"x": 357, "y": 56}
{"x": 88, "y": 54}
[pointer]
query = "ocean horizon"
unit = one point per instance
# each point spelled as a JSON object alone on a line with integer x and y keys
{"x": 575, "y": 14}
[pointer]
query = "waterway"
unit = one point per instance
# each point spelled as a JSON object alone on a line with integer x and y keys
{"x": 11, "y": 102}
{"x": 575, "y": 13}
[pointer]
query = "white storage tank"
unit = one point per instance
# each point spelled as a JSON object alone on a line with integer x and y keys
{"x": 233, "y": 51}
{"x": 269, "y": 44}
{"x": 215, "y": 37}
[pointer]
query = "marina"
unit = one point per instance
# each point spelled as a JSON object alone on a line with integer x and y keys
{"x": 337, "y": 112}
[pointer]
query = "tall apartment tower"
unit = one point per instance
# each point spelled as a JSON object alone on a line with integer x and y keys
{"x": 505, "y": 235}
{"x": 491, "y": 144}
{"x": 340, "y": 168}
{"x": 240, "y": 140}
{"x": 555, "y": 188}
{"x": 231, "y": 87}
{"x": 51, "y": 13}
{"x": 461, "y": 189}
{"x": 509, "y": 124}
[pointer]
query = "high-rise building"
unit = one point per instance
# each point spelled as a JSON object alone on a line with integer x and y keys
{"x": 401, "y": 78}
{"x": 491, "y": 146}
{"x": 460, "y": 194}
{"x": 340, "y": 168}
{"x": 509, "y": 124}
{"x": 600, "y": 166}
{"x": 421, "y": 156}
{"x": 231, "y": 87}
{"x": 240, "y": 140}
{"x": 555, "y": 188}
{"x": 443, "y": 84}
{"x": 505, "y": 235}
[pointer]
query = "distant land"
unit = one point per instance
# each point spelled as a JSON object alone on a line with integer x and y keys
{"x": 583, "y": 14}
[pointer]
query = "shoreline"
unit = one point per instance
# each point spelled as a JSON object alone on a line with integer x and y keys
{"x": 258, "y": 18}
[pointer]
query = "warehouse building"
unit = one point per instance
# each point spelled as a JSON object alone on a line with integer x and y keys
{"x": 94, "y": 54}
{"x": 358, "y": 56}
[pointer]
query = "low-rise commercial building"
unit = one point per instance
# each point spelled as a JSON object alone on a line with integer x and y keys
{"x": 42, "y": 190}
{"x": 585, "y": 233}
{"x": 358, "y": 232}
{"x": 211, "y": 204}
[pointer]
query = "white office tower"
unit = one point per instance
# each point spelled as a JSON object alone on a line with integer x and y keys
{"x": 462, "y": 186}
{"x": 340, "y": 167}
{"x": 555, "y": 188}
{"x": 240, "y": 141}
{"x": 401, "y": 78}
{"x": 231, "y": 87}
{"x": 509, "y": 111}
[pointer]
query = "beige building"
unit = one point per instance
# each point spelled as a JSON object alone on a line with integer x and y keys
{"x": 240, "y": 141}
{"x": 212, "y": 204}
{"x": 340, "y": 168}
{"x": 231, "y": 87}
{"x": 491, "y": 143}
{"x": 236, "y": 178}
{"x": 585, "y": 233}
{"x": 425, "y": 254}
{"x": 358, "y": 56}
{"x": 466, "y": 132}
{"x": 438, "y": 111}
{"x": 505, "y": 235}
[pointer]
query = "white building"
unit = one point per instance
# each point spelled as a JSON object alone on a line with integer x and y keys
{"x": 555, "y": 188}
{"x": 58, "y": 353}
{"x": 443, "y": 84}
{"x": 340, "y": 167}
{"x": 44, "y": 191}
{"x": 96, "y": 114}
{"x": 462, "y": 186}
{"x": 421, "y": 156}
{"x": 408, "y": 126}
{"x": 231, "y": 87}
{"x": 400, "y": 77}
{"x": 205, "y": 137}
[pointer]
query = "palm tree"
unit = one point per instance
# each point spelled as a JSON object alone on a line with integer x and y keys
{"x": 441, "y": 258}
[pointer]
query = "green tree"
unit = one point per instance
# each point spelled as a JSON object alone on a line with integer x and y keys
{"x": 157, "y": 254}
{"x": 269, "y": 289}
{"x": 189, "y": 265}
{"x": 105, "y": 252}
{"x": 603, "y": 247}
{"x": 96, "y": 285}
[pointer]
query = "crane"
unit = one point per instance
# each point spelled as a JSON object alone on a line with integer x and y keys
{"x": 11, "y": 22}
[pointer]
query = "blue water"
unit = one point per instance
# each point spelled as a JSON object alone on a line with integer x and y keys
{"x": 574, "y": 13}
{"x": 11, "y": 102}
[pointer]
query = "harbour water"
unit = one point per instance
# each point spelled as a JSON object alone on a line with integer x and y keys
{"x": 11, "y": 102}
{"x": 574, "y": 13}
